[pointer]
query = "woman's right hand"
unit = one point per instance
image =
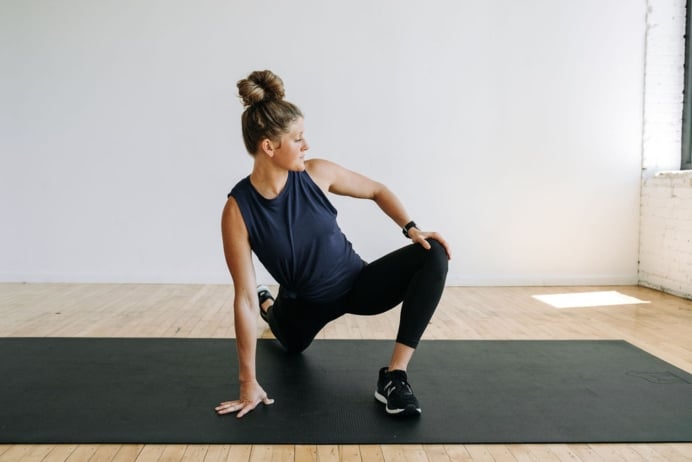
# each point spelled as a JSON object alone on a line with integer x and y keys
{"x": 251, "y": 394}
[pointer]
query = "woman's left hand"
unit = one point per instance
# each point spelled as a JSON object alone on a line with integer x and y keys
{"x": 421, "y": 237}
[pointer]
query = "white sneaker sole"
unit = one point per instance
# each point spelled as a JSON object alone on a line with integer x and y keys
{"x": 407, "y": 411}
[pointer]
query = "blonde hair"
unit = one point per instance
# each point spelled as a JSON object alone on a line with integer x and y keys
{"x": 267, "y": 114}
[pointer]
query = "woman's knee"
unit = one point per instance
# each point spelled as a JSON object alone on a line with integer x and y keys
{"x": 437, "y": 257}
{"x": 295, "y": 347}
{"x": 289, "y": 339}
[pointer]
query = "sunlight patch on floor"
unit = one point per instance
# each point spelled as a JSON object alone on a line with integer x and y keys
{"x": 588, "y": 299}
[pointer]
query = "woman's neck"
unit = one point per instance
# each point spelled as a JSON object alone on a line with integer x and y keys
{"x": 268, "y": 180}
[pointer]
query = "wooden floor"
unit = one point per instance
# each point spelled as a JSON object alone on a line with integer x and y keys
{"x": 663, "y": 327}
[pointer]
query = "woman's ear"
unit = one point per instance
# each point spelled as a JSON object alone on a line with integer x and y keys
{"x": 267, "y": 147}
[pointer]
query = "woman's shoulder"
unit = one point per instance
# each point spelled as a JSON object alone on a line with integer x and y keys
{"x": 241, "y": 186}
{"x": 321, "y": 171}
{"x": 318, "y": 165}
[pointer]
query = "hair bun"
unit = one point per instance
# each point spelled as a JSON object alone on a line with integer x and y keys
{"x": 261, "y": 86}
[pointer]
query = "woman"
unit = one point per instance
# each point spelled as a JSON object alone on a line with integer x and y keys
{"x": 281, "y": 212}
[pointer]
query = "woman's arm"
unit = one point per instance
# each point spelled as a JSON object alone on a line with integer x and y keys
{"x": 338, "y": 180}
{"x": 238, "y": 255}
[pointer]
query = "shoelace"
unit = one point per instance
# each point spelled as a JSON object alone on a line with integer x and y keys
{"x": 396, "y": 383}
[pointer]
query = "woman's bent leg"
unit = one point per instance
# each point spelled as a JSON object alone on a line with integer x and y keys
{"x": 415, "y": 277}
{"x": 295, "y": 323}
{"x": 412, "y": 276}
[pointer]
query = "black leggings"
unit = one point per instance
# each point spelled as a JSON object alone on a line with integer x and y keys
{"x": 412, "y": 276}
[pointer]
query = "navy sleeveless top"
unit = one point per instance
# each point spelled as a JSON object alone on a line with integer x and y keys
{"x": 297, "y": 239}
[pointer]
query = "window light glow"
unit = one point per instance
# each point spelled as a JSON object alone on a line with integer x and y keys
{"x": 588, "y": 299}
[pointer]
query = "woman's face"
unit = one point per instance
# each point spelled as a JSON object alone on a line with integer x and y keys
{"x": 290, "y": 154}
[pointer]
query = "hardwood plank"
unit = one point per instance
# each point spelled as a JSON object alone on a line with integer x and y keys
{"x": 196, "y": 452}
{"x": 217, "y": 453}
{"x": 501, "y": 453}
{"x": 128, "y": 452}
{"x": 83, "y": 453}
{"x": 542, "y": 452}
{"x": 173, "y": 453}
{"x": 349, "y": 453}
{"x": 564, "y": 453}
{"x": 239, "y": 452}
{"x": 393, "y": 453}
{"x": 105, "y": 453}
{"x": 260, "y": 453}
{"x": 283, "y": 453}
{"x": 306, "y": 453}
{"x": 479, "y": 452}
{"x": 436, "y": 453}
{"x": 328, "y": 453}
{"x": 371, "y": 453}
{"x": 657, "y": 453}
{"x": 150, "y": 453}
{"x": 521, "y": 452}
{"x": 37, "y": 453}
{"x": 457, "y": 453}
{"x": 414, "y": 453}
{"x": 683, "y": 449}
{"x": 14, "y": 452}
{"x": 584, "y": 452}
{"x": 60, "y": 453}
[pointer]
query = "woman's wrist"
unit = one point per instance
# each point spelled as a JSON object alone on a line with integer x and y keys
{"x": 408, "y": 227}
{"x": 247, "y": 380}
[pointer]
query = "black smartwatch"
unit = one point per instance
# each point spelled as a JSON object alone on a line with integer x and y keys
{"x": 407, "y": 226}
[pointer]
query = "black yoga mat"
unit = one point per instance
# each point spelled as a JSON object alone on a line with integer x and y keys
{"x": 99, "y": 390}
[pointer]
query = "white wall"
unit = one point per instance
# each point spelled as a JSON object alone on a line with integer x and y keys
{"x": 515, "y": 128}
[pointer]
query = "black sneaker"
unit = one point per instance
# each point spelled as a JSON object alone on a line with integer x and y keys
{"x": 394, "y": 390}
{"x": 263, "y": 295}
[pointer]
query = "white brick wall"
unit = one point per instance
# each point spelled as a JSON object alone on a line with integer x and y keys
{"x": 663, "y": 86}
{"x": 665, "y": 246}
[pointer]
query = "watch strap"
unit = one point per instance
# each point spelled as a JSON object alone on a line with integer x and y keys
{"x": 407, "y": 227}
